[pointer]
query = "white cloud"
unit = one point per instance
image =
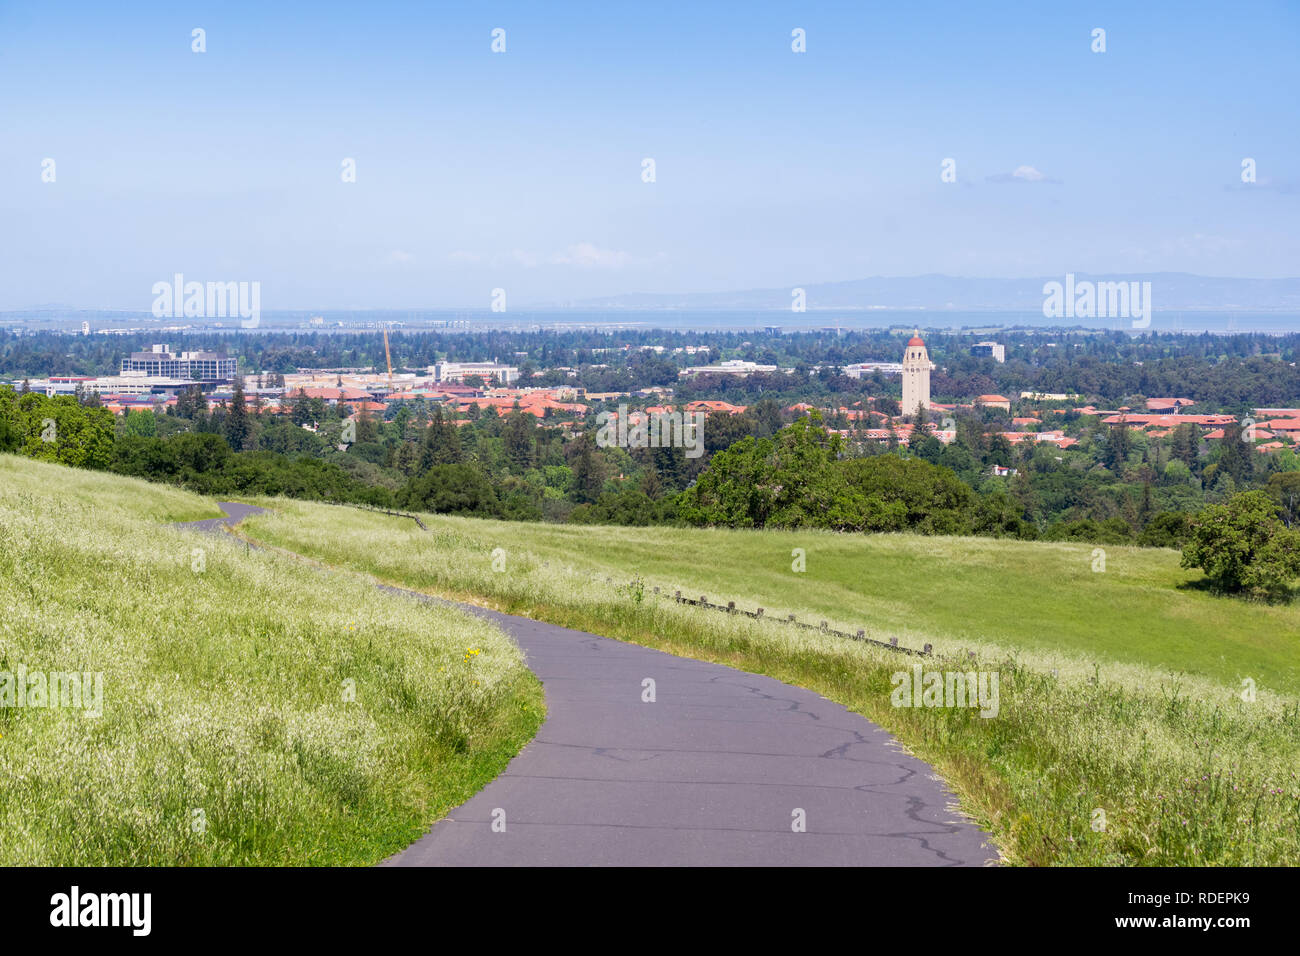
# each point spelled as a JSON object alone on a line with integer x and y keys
{"x": 1267, "y": 182}
{"x": 1022, "y": 174}
{"x": 1200, "y": 244}
{"x": 585, "y": 255}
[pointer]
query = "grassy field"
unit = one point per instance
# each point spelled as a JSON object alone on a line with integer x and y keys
{"x": 956, "y": 593}
{"x": 1120, "y": 689}
{"x": 253, "y": 710}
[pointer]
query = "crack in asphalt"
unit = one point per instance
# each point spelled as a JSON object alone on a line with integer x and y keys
{"x": 690, "y": 770}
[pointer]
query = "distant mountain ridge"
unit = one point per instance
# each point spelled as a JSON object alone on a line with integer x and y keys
{"x": 1169, "y": 291}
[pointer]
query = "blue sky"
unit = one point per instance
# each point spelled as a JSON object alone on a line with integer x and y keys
{"x": 522, "y": 170}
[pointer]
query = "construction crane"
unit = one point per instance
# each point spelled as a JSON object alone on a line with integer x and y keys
{"x": 388, "y": 357}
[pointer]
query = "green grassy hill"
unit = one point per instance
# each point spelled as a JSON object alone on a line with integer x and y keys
{"x": 1120, "y": 689}
{"x": 984, "y": 594}
{"x": 254, "y": 710}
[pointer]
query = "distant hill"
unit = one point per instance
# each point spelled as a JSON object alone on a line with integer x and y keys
{"x": 1169, "y": 291}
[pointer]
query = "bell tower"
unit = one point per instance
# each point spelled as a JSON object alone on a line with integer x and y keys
{"x": 916, "y": 375}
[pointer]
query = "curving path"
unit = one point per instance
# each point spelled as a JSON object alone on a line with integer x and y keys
{"x": 711, "y": 773}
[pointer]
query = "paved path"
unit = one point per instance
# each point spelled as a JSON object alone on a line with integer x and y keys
{"x": 711, "y": 773}
{"x": 235, "y": 513}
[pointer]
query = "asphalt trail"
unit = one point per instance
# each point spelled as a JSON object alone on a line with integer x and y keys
{"x": 718, "y": 770}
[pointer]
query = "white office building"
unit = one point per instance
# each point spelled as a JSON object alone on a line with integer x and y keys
{"x": 488, "y": 371}
{"x": 729, "y": 367}
{"x": 161, "y": 362}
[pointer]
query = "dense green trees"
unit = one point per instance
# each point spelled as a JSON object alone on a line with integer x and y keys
{"x": 1235, "y": 456}
{"x": 441, "y": 444}
{"x": 1109, "y": 531}
{"x": 758, "y": 482}
{"x": 1115, "y": 452}
{"x": 1169, "y": 529}
{"x": 57, "y": 429}
{"x": 1243, "y": 546}
{"x": 1284, "y": 488}
{"x": 799, "y": 479}
{"x": 588, "y": 471}
{"x": 519, "y": 440}
{"x": 237, "y": 427}
{"x": 450, "y": 489}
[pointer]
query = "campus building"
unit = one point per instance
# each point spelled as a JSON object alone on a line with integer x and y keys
{"x": 135, "y": 384}
{"x": 488, "y": 371}
{"x": 916, "y": 375}
{"x": 994, "y": 350}
{"x": 729, "y": 367}
{"x": 160, "y": 361}
{"x": 862, "y": 369}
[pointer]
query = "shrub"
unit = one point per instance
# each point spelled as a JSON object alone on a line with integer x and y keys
{"x": 1243, "y": 547}
{"x": 451, "y": 489}
{"x": 1169, "y": 529}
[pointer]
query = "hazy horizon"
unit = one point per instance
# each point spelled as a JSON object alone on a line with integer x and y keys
{"x": 1180, "y": 293}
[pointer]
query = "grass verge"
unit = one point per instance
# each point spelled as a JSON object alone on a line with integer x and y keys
{"x": 253, "y": 710}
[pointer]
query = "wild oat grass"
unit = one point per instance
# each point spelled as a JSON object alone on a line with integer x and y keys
{"x": 255, "y": 710}
{"x": 1185, "y": 771}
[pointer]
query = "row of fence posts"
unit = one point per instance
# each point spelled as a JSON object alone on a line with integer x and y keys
{"x": 824, "y": 627}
